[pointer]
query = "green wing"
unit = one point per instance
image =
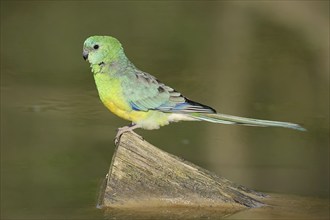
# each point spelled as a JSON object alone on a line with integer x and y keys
{"x": 144, "y": 92}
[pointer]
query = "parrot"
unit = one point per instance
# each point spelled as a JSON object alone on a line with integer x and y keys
{"x": 142, "y": 99}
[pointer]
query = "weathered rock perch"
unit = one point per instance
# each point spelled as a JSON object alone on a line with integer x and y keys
{"x": 141, "y": 175}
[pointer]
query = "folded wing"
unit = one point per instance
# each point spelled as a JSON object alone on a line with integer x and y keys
{"x": 145, "y": 92}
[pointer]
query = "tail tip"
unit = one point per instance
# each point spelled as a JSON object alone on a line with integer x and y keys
{"x": 299, "y": 128}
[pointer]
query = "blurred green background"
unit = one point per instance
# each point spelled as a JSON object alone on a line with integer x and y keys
{"x": 262, "y": 59}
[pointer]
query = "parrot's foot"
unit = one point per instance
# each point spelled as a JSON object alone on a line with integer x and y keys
{"x": 124, "y": 129}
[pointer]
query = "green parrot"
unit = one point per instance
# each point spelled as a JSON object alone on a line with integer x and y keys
{"x": 139, "y": 97}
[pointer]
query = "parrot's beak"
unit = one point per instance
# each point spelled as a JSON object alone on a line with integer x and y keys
{"x": 85, "y": 54}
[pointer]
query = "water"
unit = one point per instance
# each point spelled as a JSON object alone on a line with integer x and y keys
{"x": 264, "y": 60}
{"x": 280, "y": 207}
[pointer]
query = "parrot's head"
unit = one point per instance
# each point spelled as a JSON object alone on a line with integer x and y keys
{"x": 101, "y": 49}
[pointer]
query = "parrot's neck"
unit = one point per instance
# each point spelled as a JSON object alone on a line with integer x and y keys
{"x": 112, "y": 65}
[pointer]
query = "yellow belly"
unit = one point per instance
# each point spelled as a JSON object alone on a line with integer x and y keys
{"x": 145, "y": 119}
{"x": 124, "y": 113}
{"x": 112, "y": 96}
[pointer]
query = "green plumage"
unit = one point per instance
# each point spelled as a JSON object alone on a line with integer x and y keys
{"x": 139, "y": 97}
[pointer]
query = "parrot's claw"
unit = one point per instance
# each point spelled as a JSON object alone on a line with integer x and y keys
{"x": 122, "y": 130}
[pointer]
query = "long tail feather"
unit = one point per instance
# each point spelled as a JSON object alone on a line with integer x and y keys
{"x": 230, "y": 119}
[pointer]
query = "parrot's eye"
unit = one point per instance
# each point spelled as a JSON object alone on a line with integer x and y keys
{"x": 96, "y": 46}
